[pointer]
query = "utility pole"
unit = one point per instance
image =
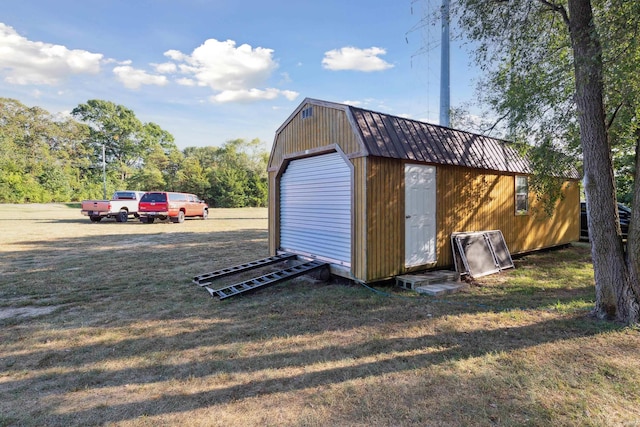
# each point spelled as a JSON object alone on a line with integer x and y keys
{"x": 104, "y": 174}
{"x": 445, "y": 101}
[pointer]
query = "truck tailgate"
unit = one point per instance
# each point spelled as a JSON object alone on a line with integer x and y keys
{"x": 95, "y": 205}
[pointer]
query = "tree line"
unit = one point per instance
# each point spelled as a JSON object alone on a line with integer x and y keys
{"x": 47, "y": 158}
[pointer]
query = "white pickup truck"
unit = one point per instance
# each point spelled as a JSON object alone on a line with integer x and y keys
{"x": 121, "y": 205}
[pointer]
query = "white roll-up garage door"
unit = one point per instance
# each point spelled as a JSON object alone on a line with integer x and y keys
{"x": 315, "y": 208}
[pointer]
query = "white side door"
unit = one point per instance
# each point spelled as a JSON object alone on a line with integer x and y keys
{"x": 420, "y": 214}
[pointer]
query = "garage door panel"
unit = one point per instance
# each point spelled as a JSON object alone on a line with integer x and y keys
{"x": 308, "y": 179}
{"x": 302, "y": 188}
{"x": 320, "y": 229}
{"x": 301, "y": 208}
{"x": 335, "y": 200}
{"x": 326, "y": 240}
{"x": 315, "y": 208}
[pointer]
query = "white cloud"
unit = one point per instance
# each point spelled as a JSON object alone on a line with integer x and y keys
{"x": 251, "y": 95}
{"x": 186, "y": 82}
{"x": 290, "y": 94}
{"x": 165, "y": 68}
{"x": 27, "y": 62}
{"x": 352, "y": 58}
{"x": 234, "y": 73}
{"x": 133, "y": 78}
{"x": 353, "y": 103}
{"x": 176, "y": 55}
{"x": 223, "y": 66}
{"x": 371, "y": 103}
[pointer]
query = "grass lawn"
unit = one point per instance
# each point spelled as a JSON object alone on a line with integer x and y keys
{"x": 101, "y": 325}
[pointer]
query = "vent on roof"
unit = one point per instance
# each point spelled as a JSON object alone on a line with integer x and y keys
{"x": 307, "y": 112}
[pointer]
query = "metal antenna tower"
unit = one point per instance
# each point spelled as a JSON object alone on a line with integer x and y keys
{"x": 445, "y": 96}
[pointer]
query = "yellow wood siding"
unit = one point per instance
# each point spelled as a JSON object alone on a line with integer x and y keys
{"x": 360, "y": 230}
{"x": 385, "y": 218}
{"x": 467, "y": 200}
{"x": 474, "y": 200}
{"x": 325, "y": 127}
{"x": 273, "y": 218}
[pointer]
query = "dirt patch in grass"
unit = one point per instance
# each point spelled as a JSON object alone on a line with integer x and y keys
{"x": 131, "y": 341}
{"x": 12, "y": 313}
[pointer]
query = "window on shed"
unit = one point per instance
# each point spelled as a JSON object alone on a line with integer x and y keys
{"x": 522, "y": 195}
{"x": 307, "y": 112}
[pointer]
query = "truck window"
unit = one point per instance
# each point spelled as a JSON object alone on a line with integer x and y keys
{"x": 125, "y": 196}
{"x": 154, "y": 197}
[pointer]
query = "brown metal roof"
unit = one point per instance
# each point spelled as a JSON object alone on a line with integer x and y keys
{"x": 390, "y": 136}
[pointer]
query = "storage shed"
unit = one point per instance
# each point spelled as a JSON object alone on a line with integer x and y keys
{"x": 377, "y": 195}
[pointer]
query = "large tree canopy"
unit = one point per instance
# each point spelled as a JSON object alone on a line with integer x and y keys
{"x": 118, "y": 130}
{"x": 561, "y": 74}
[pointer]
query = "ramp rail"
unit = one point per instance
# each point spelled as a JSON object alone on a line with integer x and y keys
{"x": 207, "y": 279}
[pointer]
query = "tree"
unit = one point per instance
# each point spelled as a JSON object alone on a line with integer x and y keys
{"x": 192, "y": 177}
{"x": 228, "y": 188}
{"x": 236, "y": 173}
{"x": 161, "y": 160}
{"x": 143, "y": 155}
{"x": 117, "y": 129}
{"x": 556, "y": 83}
{"x": 42, "y": 158}
{"x": 150, "y": 177}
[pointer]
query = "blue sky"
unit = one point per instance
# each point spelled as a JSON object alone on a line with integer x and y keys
{"x": 213, "y": 70}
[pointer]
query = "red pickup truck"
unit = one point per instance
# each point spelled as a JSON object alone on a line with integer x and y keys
{"x": 169, "y": 205}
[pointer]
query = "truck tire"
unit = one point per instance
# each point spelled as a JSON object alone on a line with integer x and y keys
{"x": 95, "y": 218}
{"x": 179, "y": 218}
{"x": 122, "y": 216}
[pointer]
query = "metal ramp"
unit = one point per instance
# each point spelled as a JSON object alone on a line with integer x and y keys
{"x": 227, "y": 291}
{"x": 266, "y": 280}
{"x": 207, "y": 278}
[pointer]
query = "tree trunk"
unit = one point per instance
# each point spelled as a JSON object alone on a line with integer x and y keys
{"x": 615, "y": 298}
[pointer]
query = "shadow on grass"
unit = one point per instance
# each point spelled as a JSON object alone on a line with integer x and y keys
{"x": 419, "y": 353}
{"x": 111, "y": 288}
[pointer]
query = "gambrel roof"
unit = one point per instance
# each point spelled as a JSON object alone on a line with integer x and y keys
{"x": 396, "y": 137}
{"x": 385, "y": 135}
